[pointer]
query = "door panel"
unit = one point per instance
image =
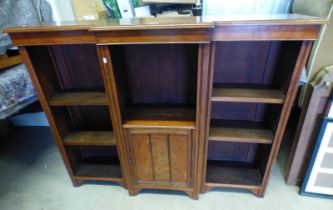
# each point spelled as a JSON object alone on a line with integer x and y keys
{"x": 160, "y": 154}
{"x": 179, "y": 148}
{"x": 142, "y": 157}
{"x": 161, "y": 158}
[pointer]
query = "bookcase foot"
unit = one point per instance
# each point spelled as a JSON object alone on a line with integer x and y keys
{"x": 257, "y": 193}
{"x": 77, "y": 183}
{"x": 192, "y": 194}
{"x": 134, "y": 192}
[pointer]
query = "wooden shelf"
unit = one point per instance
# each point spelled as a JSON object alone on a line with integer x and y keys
{"x": 98, "y": 172}
{"x": 160, "y": 117}
{"x": 241, "y": 174}
{"x": 159, "y": 124}
{"x": 79, "y": 98}
{"x": 248, "y": 95}
{"x": 246, "y": 135}
{"x": 96, "y": 138}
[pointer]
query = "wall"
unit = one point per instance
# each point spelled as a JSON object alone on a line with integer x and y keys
{"x": 321, "y": 55}
{"x": 245, "y": 7}
{"x": 62, "y": 10}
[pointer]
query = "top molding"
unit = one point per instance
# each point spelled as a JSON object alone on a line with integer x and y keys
{"x": 171, "y": 23}
{"x": 201, "y": 29}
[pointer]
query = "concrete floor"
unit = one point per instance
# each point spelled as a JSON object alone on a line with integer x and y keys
{"x": 33, "y": 177}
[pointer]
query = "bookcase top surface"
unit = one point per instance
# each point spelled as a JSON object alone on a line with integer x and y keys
{"x": 170, "y": 23}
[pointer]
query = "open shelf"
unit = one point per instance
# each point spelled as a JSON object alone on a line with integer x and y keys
{"x": 69, "y": 82}
{"x": 165, "y": 113}
{"x": 263, "y": 136}
{"x": 97, "y": 138}
{"x": 95, "y": 162}
{"x": 95, "y": 171}
{"x": 236, "y": 164}
{"x": 244, "y": 122}
{"x": 248, "y": 95}
{"x": 84, "y": 125}
{"x": 220, "y": 172}
{"x": 79, "y": 98}
{"x": 160, "y": 117}
{"x": 264, "y": 68}
{"x": 157, "y": 92}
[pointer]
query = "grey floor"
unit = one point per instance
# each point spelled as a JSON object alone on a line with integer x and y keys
{"x": 32, "y": 176}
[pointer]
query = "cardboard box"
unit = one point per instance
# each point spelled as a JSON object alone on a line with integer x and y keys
{"x": 89, "y": 9}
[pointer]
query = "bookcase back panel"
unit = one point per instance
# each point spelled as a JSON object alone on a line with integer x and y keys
{"x": 80, "y": 118}
{"x": 156, "y": 74}
{"x": 255, "y": 63}
{"x": 78, "y": 66}
{"x": 95, "y": 161}
{"x": 227, "y": 151}
{"x": 239, "y": 111}
{"x": 45, "y": 69}
{"x": 240, "y": 62}
{"x": 97, "y": 152}
{"x": 67, "y": 67}
{"x": 246, "y": 112}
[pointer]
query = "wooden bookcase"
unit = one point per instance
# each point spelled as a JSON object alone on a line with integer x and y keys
{"x": 177, "y": 104}
{"x": 78, "y": 108}
{"x": 250, "y": 90}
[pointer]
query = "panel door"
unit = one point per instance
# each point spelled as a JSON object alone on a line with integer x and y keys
{"x": 161, "y": 158}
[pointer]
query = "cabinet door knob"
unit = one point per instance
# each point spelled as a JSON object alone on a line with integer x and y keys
{"x": 105, "y": 60}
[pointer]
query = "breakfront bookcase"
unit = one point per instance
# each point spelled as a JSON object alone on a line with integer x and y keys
{"x": 186, "y": 104}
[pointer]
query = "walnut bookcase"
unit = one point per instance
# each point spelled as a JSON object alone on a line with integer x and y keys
{"x": 173, "y": 104}
{"x": 251, "y": 92}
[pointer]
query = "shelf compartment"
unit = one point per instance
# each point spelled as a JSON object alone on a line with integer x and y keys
{"x": 247, "y": 95}
{"x": 97, "y": 138}
{"x": 63, "y": 81}
{"x": 79, "y": 98}
{"x": 160, "y": 117}
{"x": 86, "y": 122}
{"x": 266, "y": 64}
{"x": 246, "y": 135}
{"x": 220, "y": 172}
{"x": 95, "y": 162}
{"x": 158, "y": 94}
{"x": 98, "y": 172}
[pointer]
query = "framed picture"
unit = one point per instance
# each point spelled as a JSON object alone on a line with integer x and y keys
{"x": 319, "y": 176}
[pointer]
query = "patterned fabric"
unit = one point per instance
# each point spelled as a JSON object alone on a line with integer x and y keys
{"x": 16, "y": 90}
{"x": 21, "y": 12}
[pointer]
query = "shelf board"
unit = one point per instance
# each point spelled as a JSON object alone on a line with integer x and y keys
{"x": 98, "y": 172}
{"x": 219, "y": 174}
{"x": 159, "y": 124}
{"x": 160, "y": 118}
{"x": 96, "y": 138}
{"x": 79, "y": 98}
{"x": 248, "y": 95}
{"x": 246, "y": 135}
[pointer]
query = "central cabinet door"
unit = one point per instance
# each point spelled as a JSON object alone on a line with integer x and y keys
{"x": 161, "y": 157}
